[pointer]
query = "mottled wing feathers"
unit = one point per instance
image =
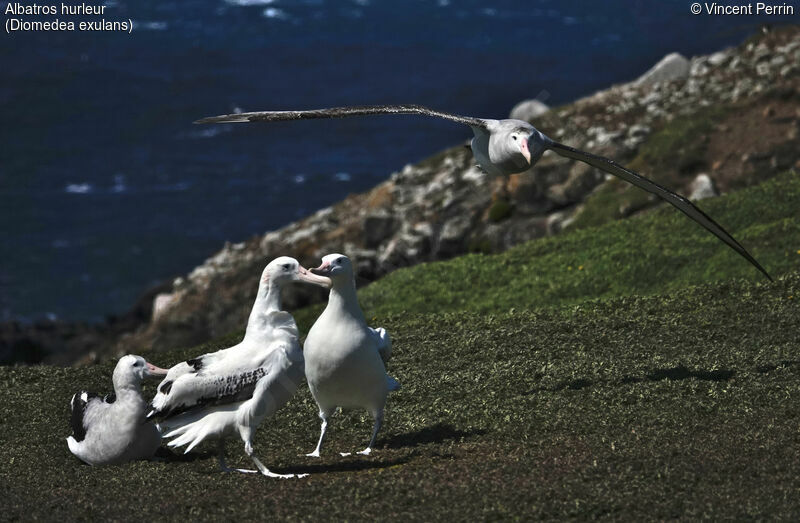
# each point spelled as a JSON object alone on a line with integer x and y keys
{"x": 225, "y": 382}
{"x": 341, "y": 112}
{"x": 679, "y": 202}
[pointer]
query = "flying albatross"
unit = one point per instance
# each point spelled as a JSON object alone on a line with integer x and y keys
{"x": 503, "y": 147}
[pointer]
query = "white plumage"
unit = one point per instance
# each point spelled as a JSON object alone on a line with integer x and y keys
{"x": 344, "y": 358}
{"x": 109, "y": 430}
{"x": 233, "y": 390}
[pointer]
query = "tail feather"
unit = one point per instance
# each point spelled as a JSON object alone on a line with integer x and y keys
{"x": 194, "y": 427}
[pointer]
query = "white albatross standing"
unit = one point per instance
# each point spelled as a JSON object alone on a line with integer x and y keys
{"x": 233, "y": 390}
{"x": 504, "y": 147}
{"x": 344, "y": 358}
{"x": 111, "y": 429}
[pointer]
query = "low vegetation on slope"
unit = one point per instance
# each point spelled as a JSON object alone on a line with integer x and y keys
{"x": 682, "y": 402}
{"x": 656, "y": 253}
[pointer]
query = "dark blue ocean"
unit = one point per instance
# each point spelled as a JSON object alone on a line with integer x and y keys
{"x": 107, "y": 188}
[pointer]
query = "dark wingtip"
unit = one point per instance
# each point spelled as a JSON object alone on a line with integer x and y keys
{"x": 207, "y": 119}
{"x": 225, "y": 118}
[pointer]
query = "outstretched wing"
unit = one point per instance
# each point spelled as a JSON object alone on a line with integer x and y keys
{"x": 681, "y": 203}
{"x": 229, "y": 381}
{"x": 341, "y": 112}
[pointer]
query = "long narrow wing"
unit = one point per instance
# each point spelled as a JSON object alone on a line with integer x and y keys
{"x": 229, "y": 382}
{"x": 679, "y": 202}
{"x": 341, "y": 112}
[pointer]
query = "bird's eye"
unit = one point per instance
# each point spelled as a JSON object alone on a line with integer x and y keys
{"x": 136, "y": 363}
{"x": 286, "y": 266}
{"x": 514, "y": 137}
{"x": 339, "y": 261}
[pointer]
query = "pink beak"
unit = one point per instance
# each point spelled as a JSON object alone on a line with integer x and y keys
{"x": 523, "y": 147}
{"x": 314, "y": 277}
{"x": 322, "y": 270}
{"x": 155, "y": 372}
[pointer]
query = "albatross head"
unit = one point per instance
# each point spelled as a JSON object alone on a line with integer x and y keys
{"x": 335, "y": 268}
{"x": 284, "y": 269}
{"x": 132, "y": 369}
{"x": 514, "y": 146}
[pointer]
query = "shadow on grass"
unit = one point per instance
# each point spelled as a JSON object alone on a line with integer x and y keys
{"x": 677, "y": 373}
{"x": 355, "y": 464}
{"x": 437, "y": 433}
{"x": 681, "y": 373}
{"x": 763, "y": 369}
{"x": 166, "y": 455}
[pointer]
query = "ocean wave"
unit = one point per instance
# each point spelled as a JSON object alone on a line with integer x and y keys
{"x": 78, "y": 188}
{"x": 299, "y": 179}
{"x": 208, "y": 131}
{"x": 342, "y": 177}
{"x": 248, "y": 3}
{"x": 119, "y": 184}
{"x": 155, "y": 25}
{"x": 274, "y": 13}
{"x": 172, "y": 187}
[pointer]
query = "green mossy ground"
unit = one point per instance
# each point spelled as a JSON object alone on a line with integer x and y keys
{"x": 635, "y": 371}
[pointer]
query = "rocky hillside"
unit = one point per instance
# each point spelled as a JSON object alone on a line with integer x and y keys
{"x": 701, "y": 126}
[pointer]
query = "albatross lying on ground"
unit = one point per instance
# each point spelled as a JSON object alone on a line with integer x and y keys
{"x": 503, "y": 147}
{"x": 345, "y": 359}
{"x": 111, "y": 430}
{"x": 233, "y": 390}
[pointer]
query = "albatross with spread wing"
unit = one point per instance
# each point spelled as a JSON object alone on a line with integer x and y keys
{"x": 503, "y": 147}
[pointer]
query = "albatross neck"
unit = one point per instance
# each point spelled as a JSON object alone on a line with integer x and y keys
{"x": 125, "y": 387}
{"x": 267, "y": 300}
{"x": 343, "y": 299}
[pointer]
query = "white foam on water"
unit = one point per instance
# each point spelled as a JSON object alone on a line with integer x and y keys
{"x": 119, "y": 184}
{"x": 78, "y": 188}
{"x": 154, "y": 25}
{"x": 274, "y": 13}
{"x": 247, "y": 3}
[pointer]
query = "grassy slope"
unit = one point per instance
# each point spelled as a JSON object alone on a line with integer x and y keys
{"x": 659, "y": 252}
{"x": 681, "y": 403}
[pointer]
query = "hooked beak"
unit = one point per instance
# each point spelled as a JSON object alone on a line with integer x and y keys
{"x": 322, "y": 270}
{"x": 313, "y": 277}
{"x": 151, "y": 371}
{"x": 526, "y": 152}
